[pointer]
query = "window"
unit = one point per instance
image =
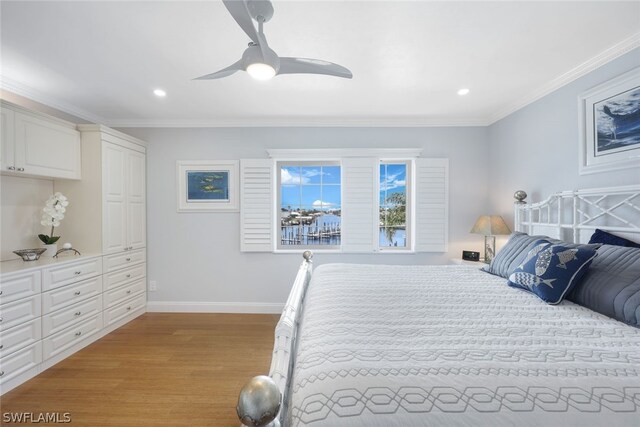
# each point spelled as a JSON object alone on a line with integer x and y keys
{"x": 310, "y": 208}
{"x": 395, "y": 223}
{"x": 362, "y": 202}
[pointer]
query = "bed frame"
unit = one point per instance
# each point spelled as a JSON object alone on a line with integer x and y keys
{"x": 571, "y": 216}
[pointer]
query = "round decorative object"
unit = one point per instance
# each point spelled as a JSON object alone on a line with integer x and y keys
{"x": 307, "y": 255}
{"x": 67, "y": 246}
{"x": 30, "y": 254}
{"x": 520, "y": 195}
{"x": 259, "y": 402}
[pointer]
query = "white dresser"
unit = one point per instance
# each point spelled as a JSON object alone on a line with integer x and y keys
{"x": 49, "y": 309}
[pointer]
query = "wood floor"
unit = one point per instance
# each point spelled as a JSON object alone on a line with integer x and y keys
{"x": 162, "y": 369}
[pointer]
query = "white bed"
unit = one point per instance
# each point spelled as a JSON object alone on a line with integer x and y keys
{"x": 366, "y": 345}
{"x": 451, "y": 345}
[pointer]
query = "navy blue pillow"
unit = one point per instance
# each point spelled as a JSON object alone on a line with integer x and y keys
{"x": 605, "y": 238}
{"x": 551, "y": 270}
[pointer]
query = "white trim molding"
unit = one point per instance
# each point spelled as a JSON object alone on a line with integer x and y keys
{"x": 615, "y": 51}
{"x": 340, "y": 153}
{"x": 213, "y": 307}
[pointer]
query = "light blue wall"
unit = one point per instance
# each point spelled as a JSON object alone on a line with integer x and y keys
{"x": 536, "y": 148}
{"x": 195, "y": 257}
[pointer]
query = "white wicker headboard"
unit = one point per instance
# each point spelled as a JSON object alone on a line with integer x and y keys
{"x": 573, "y": 216}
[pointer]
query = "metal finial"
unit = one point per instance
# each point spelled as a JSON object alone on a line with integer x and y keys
{"x": 307, "y": 255}
{"x": 520, "y": 195}
{"x": 259, "y": 402}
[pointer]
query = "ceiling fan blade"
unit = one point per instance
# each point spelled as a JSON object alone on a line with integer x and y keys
{"x": 239, "y": 12}
{"x": 237, "y": 66}
{"x": 312, "y": 66}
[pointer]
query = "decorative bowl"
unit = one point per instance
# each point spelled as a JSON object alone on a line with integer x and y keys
{"x": 30, "y": 254}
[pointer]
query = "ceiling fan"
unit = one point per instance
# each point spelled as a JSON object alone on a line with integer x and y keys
{"x": 259, "y": 60}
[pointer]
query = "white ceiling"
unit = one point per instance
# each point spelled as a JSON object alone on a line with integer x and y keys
{"x": 102, "y": 60}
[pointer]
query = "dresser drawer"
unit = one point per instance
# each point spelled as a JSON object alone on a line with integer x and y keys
{"x": 124, "y": 259}
{"x": 14, "y": 287}
{"x": 70, "y": 294}
{"x": 76, "y": 313}
{"x": 118, "y": 295}
{"x": 121, "y": 311}
{"x": 19, "y": 337}
{"x": 54, "y": 277}
{"x": 120, "y": 277}
{"x": 20, "y": 361}
{"x": 66, "y": 339}
{"x": 20, "y": 311}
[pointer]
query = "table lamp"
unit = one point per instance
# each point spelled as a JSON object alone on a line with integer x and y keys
{"x": 490, "y": 226}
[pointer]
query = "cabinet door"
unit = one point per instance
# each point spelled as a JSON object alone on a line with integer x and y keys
{"x": 136, "y": 206}
{"x": 114, "y": 232}
{"x": 46, "y": 148}
{"x": 6, "y": 139}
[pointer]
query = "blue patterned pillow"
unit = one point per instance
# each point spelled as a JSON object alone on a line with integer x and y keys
{"x": 551, "y": 270}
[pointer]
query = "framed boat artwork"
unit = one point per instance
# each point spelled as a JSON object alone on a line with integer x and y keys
{"x": 610, "y": 125}
{"x": 207, "y": 185}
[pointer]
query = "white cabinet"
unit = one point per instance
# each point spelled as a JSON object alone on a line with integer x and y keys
{"x": 112, "y": 193}
{"x": 35, "y": 144}
{"x": 124, "y": 215}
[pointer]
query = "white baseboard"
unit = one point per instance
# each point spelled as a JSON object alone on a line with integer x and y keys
{"x": 213, "y": 307}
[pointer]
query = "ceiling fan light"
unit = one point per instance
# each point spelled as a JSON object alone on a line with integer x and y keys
{"x": 260, "y": 71}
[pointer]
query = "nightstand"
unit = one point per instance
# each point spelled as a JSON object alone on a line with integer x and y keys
{"x": 460, "y": 261}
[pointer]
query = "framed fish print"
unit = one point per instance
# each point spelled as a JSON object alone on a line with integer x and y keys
{"x": 610, "y": 125}
{"x": 207, "y": 185}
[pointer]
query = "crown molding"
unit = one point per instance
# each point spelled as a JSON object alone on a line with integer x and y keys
{"x": 301, "y": 122}
{"x": 608, "y": 55}
{"x": 17, "y": 88}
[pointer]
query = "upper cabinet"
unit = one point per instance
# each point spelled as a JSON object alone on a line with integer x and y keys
{"x": 34, "y": 144}
{"x": 109, "y": 204}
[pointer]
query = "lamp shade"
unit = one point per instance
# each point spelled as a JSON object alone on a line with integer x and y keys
{"x": 490, "y": 225}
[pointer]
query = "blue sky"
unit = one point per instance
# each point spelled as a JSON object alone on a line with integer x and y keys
{"x": 319, "y": 186}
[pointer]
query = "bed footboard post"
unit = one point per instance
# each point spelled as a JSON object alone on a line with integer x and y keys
{"x": 263, "y": 398}
{"x": 259, "y": 402}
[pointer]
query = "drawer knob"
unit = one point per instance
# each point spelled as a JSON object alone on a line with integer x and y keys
{"x": 0, "y": 292}
{"x": 128, "y": 275}
{"x": 129, "y": 291}
{"x": 76, "y": 293}
{"x": 78, "y": 333}
{"x": 20, "y": 169}
{"x": 1, "y": 373}
{"x": 77, "y": 313}
{"x": 77, "y": 272}
{"x": 0, "y": 319}
{"x": 128, "y": 308}
{"x": 128, "y": 259}
{"x": 1, "y": 346}
{"x": 11, "y": 168}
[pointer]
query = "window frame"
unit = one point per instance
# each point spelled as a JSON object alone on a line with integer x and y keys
{"x": 278, "y": 246}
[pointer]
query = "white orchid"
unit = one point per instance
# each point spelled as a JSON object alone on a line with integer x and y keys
{"x": 52, "y": 214}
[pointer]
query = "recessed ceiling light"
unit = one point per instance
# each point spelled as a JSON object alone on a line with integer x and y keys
{"x": 463, "y": 91}
{"x": 160, "y": 93}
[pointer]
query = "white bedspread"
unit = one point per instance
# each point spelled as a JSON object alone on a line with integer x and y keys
{"x": 453, "y": 346}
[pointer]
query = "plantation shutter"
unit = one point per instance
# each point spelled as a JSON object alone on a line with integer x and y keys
{"x": 432, "y": 205}
{"x": 360, "y": 216}
{"x": 256, "y": 205}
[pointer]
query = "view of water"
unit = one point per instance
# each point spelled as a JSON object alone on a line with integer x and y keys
{"x": 325, "y": 230}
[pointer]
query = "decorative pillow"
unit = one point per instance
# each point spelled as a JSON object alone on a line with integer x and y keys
{"x": 612, "y": 284}
{"x": 551, "y": 270}
{"x": 605, "y": 238}
{"x": 513, "y": 253}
